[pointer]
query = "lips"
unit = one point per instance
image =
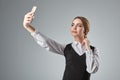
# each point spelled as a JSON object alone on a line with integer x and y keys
{"x": 74, "y": 31}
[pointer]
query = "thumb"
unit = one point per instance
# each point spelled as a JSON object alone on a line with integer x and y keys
{"x": 83, "y": 42}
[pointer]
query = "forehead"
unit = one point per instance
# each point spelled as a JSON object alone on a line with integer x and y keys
{"x": 76, "y": 21}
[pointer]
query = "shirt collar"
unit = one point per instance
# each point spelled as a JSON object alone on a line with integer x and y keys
{"x": 76, "y": 43}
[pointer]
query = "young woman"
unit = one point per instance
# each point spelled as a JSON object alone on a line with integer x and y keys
{"x": 82, "y": 59}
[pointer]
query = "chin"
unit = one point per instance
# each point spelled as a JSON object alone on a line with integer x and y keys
{"x": 74, "y": 35}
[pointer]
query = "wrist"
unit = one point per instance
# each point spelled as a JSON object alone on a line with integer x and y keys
{"x": 29, "y": 28}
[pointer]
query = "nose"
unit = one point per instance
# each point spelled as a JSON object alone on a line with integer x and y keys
{"x": 74, "y": 27}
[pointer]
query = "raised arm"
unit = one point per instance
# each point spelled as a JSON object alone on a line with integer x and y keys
{"x": 41, "y": 39}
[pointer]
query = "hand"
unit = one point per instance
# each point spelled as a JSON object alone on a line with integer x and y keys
{"x": 86, "y": 43}
{"x": 29, "y": 17}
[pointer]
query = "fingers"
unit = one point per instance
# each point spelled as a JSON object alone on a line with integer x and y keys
{"x": 28, "y": 18}
{"x": 86, "y": 44}
{"x": 85, "y": 41}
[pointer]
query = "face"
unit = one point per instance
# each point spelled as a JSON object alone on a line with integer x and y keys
{"x": 77, "y": 28}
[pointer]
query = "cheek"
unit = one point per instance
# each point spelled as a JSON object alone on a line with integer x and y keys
{"x": 71, "y": 29}
{"x": 80, "y": 30}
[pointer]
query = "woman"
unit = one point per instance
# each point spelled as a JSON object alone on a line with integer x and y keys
{"x": 82, "y": 59}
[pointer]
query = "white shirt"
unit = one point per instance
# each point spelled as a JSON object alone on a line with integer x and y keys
{"x": 92, "y": 58}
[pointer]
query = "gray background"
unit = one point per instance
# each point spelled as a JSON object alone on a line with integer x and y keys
{"x": 22, "y": 59}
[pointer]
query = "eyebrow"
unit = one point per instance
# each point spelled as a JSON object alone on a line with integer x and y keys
{"x": 78, "y": 23}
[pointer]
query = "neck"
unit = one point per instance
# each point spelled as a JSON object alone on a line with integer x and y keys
{"x": 79, "y": 39}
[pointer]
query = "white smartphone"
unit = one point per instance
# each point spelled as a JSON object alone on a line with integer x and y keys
{"x": 34, "y": 9}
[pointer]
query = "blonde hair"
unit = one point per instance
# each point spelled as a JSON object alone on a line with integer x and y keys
{"x": 86, "y": 24}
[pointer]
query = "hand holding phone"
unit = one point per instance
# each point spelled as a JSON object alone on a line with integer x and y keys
{"x": 29, "y": 17}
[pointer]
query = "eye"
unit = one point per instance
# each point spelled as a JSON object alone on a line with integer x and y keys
{"x": 80, "y": 26}
{"x": 72, "y": 24}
